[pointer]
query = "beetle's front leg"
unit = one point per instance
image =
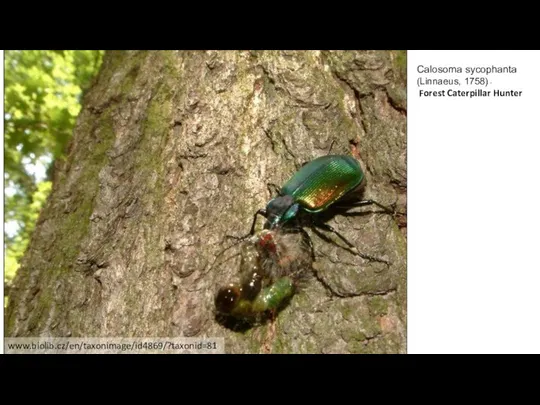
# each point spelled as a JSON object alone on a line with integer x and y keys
{"x": 252, "y": 230}
{"x": 259, "y": 212}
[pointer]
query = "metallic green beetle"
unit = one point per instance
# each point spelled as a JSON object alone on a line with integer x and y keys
{"x": 314, "y": 188}
{"x": 326, "y": 181}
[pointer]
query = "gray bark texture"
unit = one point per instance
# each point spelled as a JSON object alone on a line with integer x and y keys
{"x": 172, "y": 151}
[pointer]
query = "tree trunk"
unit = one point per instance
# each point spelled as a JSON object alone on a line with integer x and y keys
{"x": 171, "y": 152}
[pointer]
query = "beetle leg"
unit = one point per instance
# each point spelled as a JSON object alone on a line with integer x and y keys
{"x": 367, "y": 202}
{"x": 372, "y": 258}
{"x": 329, "y": 228}
{"x": 259, "y": 212}
{"x": 252, "y": 230}
{"x": 309, "y": 242}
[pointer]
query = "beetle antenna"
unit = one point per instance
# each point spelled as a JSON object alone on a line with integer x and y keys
{"x": 238, "y": 240}
{"x": 277, "y": 189}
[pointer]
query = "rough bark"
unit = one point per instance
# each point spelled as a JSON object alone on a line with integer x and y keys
{"x": 174, "y": 150}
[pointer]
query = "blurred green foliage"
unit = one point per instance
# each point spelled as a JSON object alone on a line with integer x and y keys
{"x": 42, "y": 91}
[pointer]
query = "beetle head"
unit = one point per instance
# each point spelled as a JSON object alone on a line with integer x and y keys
{"x": 279, "y": 210}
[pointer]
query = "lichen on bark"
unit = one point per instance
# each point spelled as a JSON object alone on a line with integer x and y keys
{"x": 172, "y": 151}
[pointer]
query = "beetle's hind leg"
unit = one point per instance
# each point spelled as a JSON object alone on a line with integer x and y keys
{"x": 307, "y": 240}
{"x": 364, "y": 203}
{"x": 352, "y": 248}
